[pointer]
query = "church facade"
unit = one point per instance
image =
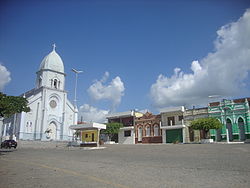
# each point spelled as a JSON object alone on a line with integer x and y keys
{"x": 51, "y": 112}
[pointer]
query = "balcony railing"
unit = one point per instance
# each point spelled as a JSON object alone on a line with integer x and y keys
{"x": 180, "y": 123}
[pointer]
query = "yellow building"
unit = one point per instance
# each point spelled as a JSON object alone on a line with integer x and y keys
{"x": 90, "y": 133}
{"x": 88, "y": 136}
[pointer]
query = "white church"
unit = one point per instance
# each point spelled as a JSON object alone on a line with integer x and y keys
{"x": 51, "y": 112}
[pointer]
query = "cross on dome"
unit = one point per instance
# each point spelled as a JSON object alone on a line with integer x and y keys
{"x": 54, "y": 46}
{"x": 52, "y": 61}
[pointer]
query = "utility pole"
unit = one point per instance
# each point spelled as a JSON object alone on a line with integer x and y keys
{"x": 75, "y": 104}
{"x": 76, "y": 73}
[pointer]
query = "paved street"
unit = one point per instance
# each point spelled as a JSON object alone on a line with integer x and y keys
{"x": 189, "y": 165}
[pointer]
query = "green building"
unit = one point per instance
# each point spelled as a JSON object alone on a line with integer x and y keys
{"x": 234, "y": 115}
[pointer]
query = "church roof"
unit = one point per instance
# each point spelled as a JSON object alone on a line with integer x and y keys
{"x": 52, "y": 62}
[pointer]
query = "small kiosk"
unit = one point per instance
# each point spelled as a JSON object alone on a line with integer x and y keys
{"x": 90, "y": 133}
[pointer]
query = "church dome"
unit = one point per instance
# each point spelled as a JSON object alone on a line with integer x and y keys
{"x": 52, "y": 62}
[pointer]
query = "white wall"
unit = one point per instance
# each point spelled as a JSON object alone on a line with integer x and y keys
{"x": 1, "y": 128}
{"x": 126, "y": 140}
{"x": 164, "y": 140}
{"x": 164, "y": 118}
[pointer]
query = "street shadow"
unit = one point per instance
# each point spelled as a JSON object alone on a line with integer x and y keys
{"x": 3, "y": 151}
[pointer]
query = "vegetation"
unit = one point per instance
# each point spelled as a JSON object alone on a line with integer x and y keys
{"x": 112, "y": 129}
{"x": 205, "y": 124}
{"x": 10, "y": 105}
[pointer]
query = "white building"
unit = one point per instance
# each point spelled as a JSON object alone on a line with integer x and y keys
{"x": 173, "y": 128}
{"x": 126, "y": 134}
{"x": 51, "y": 112}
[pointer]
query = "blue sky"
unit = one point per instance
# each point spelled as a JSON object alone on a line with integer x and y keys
{"x": 135, "y": 41}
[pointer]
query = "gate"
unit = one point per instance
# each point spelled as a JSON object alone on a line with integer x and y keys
{"x": 173, "y": 136}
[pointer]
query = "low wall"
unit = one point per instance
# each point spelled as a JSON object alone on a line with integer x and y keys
{"x": 146, "y": 140}
{"x": 41, "y": 144}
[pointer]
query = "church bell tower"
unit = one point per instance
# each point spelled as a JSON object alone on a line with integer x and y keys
{"x": 51, "y": 72}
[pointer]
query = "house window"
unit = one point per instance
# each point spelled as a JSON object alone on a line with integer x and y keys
{"x": 147, "y": 131}
{"x": 156, "y": 130}
{"x": 28, "y": 127}
{"x": 140, "y": 134}
{"x": 86, "y": 135}
{"x": 171, "y": 121}
{"x": 127, "y": 133}
{"x": 180, "y": 118}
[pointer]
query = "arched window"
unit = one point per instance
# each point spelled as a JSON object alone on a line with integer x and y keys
{"x": 156, "y": 130}
{"x": 139, "y": 134}
{"x": 55, "y": 83}
{"x": 27, "y": 127}
{"x": 241, "y": 127}
{"x": 229, "y": 121}
{"x": 30, "y": 128}
{"x": 8, "y": 130}
{"x": 229, "y": 128}
{"x": 148, "y": 131}
{"x": 39, "y": 82}
{"x": 240, "y": 120}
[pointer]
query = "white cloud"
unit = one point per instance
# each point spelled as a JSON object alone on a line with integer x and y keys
{"x": 144, "y": 111}
{"x": 222, "y": 72}
{"x": 4, "y": 77}
{"x": 98, "y": 91}
{"x": 112, "y": 92}
{"x": 91, "y": 114}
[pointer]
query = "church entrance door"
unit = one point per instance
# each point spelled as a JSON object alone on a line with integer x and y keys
{"x": 52, "y": 128}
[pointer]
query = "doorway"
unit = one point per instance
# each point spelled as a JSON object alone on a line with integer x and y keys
{"x": 52, "y": 131}
{"x": 218, "y": 135}
{"x": 174, "y": 136}
{"x": 241, "y": 129}
{"x": 230, "y": 130}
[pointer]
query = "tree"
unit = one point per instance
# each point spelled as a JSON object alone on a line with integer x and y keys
{"x": 10, "y": 105}
{"x": 112, "y": 129}
{"x": 205, "y": 124}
